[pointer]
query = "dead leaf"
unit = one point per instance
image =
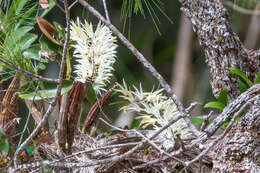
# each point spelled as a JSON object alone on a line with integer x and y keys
{"x": 95, "y": 109}
{"x": 47, "y": 29}
{"x": 9, "y": 104}
{"x": 70, "y": 113}
{"x": 9, "y": 112}
{"x": 76, "y": 96}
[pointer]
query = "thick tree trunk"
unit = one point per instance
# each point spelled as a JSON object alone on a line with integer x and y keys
{"x": 223, "y": 49}
{"x": 239, "y": 151}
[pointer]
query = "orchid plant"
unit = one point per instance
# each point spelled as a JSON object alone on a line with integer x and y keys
{"x": 95, "y": 52}
{"x": 154, "y": 109}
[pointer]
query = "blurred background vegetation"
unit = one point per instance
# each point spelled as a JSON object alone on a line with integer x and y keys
{"x": 173, "y": 50}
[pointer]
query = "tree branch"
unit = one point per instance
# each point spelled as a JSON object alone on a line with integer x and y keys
{"x": 219, "y": 138}
{"x": 106, "y": 11}
{"x": 144, "y": 138}
{"x": 223, "y": 49}
{"x": 240, "y": 9}
{"x": 252, "y": 92}
{"x": 19, "y": 69}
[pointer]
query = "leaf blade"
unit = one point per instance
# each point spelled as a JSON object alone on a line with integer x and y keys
{"x": 241, "y": 74}
{"x": 218, "y": 105}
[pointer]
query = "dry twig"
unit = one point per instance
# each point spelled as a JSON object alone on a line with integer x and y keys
{"x": 19, "y": 69}
{"x": 106, "y": 11}
{"x": 240, "y": 9}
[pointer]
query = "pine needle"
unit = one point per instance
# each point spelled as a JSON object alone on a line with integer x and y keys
{"x": 137, "y": 6}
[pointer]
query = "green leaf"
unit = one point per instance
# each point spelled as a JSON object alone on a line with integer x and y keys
{"x": 47, "y": 91}
{"x": 13, "y": 40}
{"x": 153, "y": 7}
{"x": 223, "y": 98}
{"x": 8, "y": 75}
{"x": 135, "y": 124}
{"x": 91, "y": 95}
{"x": 241, "y": 74}
{"x": 28, "y": 18}
{"x": 48, "y": 45}
{"x": 42, "y": 66}
{"x": 106, "y": 134}
{"x": 218, "y": 105}
{"x": 5, "y": 149}
{"x": 117, "y": 102}
{"x": 257, "y": 79}
{"x": 29, "y": 86}
{"x": 21, "y": 31}
{"x": 138, "y": 7}
{"x": 3, "y": 137}
{"x": 27, "y": 40}
{"x": 33, "y": 53}
{"x": 60, "y": 30}
{"x": 3, "y": 142}
{"x": 195, "y": 120}
{"x": 242, "y": 86}
{"x": 20, "y": 5}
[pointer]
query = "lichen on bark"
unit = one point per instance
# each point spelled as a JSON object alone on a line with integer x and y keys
{"x": 223, "y": 49}
{"x": 239, "y": 151}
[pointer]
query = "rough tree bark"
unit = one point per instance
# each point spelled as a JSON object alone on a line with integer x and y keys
{"x": 239, "y": 150}
{"x": 223, "y": 49}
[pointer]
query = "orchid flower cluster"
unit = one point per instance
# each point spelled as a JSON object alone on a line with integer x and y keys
{"x": 154, "y": 109}
{"x": 95, "y": 53}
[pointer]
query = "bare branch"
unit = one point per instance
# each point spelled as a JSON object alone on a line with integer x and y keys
{"x": 29, "y": 115}
{"x": 100, "y": 148}
{"x": 206, "y": 121}
{"x": 240, "y": 9}
{"x": 60, "y": 7}
{"x": 106, "y": 11}
{"x": 188, "y": 121}
{"x": 102, "y": 161}
{"x": 191, "y": 107}
{"x": 228, "y": 111}
{"x": 219, "y": 138}
{"x": 149, "y": 163}
{"x": 73, "y": 4}
{"x": 19, "y": 69}
{"x": 146, "y": 139}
